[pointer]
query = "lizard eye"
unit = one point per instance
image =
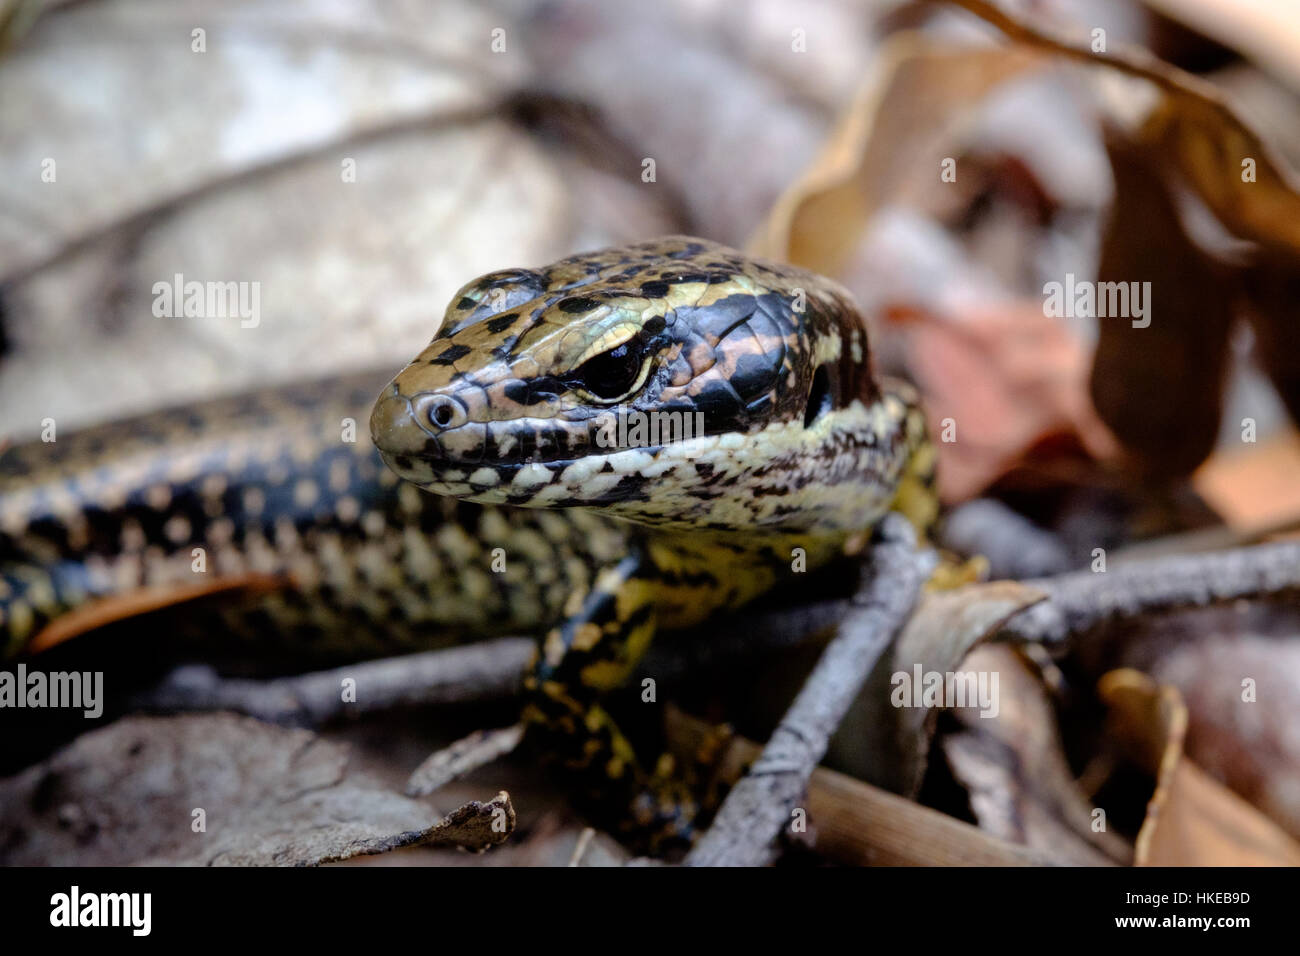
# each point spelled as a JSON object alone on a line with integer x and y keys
{"x": 615, "y": 374}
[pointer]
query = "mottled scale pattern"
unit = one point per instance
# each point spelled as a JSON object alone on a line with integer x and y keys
{"x": 281, "y": 484}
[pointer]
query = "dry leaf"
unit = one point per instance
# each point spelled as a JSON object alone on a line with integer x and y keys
{"x": 1238, "y": 670}
{"x": 1191, "y": 819}
{"x": 1193, "y": 136}
{"x": 1157, "y": 381}
{"x": 903, "y": 121}
{"x": 1268, "y": 33}
{"x": 888, "y": 745}
{"x": 1013, "y": 765}
{"x": 129, "y": 792}
{"x": 1008, "y": 380}
{"x": 1254, "y": 488}
{"x": 1272, "y": 294}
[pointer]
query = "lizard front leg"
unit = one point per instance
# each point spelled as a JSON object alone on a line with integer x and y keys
{"x": 593, "y": 652}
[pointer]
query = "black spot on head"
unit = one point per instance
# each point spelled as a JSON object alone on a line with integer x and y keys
{"x": 654, "y": 290}
{"x": 449, "y": 355}
{"x": 518, "y": 392}
{"x": 501, "y": 322}
{"x": 576, "y": 303}
{"x": 466, "y": 303}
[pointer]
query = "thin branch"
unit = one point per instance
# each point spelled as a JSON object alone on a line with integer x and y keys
{"x": 761, "y": 804}
{"x": 580, "y": 850}
{"x": 465, "y": 755}
{"x": 1013, "y": 545}
{"x": 483, "y": 671}
{"x": 1080, "y": 601}
{"x": 462, "y": 675}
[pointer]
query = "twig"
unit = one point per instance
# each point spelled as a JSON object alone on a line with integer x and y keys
{"x": 580, "y": 850}
{"x": 762, "y": 803}
{"x": 1014, "y": 546}
{"x": 1080, "y": 601}
{"x": 483, "y": 671}
{"x": 462, "y": 674}
{"x": 465, "y": 755}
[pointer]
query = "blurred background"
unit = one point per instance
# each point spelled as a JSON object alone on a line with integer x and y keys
{"x": 358, "y": 162}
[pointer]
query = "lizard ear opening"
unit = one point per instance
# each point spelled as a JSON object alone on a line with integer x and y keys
{"x": 819, "y": 396}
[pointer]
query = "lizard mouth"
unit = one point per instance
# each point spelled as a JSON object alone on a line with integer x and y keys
{"x": 434, "y": 428}
{"x": 594, "y": 459}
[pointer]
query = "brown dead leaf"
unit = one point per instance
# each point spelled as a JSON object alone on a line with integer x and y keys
{"x": 1191, "y": 135}
{"x": 1267, "y": 33}
{"x": 1255, "y": 488}
{"x": 1238, "y": 670}
{"x": 902, "y": 121}
{"x": 1008, "y": 380}
{"x": 1272, "y": 293}
{"x": 1191, "y": 820}
{"x": 888, "y": 744}
{"x": 1192, "y": 127}
{"x": 1157, "y": 382}
{"x": 128, "y": 793}
{"x": 1013, "y": 765}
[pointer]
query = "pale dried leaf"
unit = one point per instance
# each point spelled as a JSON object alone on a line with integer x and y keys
{"x": 1191, "y": 819}
{"x": 887, "y": 745}
{"x": 270, "y": 796}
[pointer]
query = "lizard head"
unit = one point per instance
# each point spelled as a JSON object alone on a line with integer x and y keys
{"x": 674, "y": 381}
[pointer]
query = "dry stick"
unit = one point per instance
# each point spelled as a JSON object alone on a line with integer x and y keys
{"x": 1083, "y": 600}
{"x": 760, "y": 805}
{"x": 461, "y": 757}
{"x": 472, "y": 672}
{"x": 466, "y": 673}
{"x": 1013, "y": 545}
